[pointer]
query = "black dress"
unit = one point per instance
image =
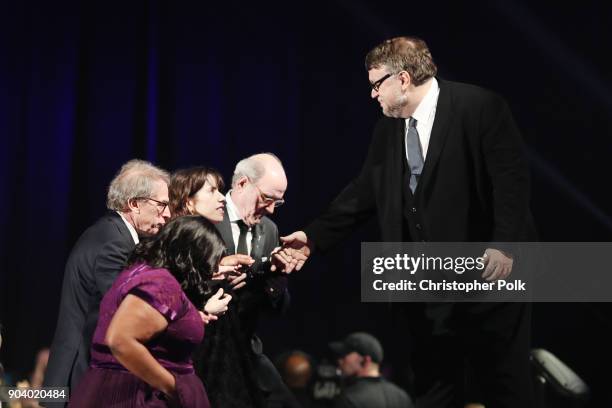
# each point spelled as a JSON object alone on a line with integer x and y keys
{"x": 224, "y": 361}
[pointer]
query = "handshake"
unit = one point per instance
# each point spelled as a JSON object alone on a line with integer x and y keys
{"x": 292, "y": 254}
{"x": 289, "y": 257}
{"x": 295, "y": 250}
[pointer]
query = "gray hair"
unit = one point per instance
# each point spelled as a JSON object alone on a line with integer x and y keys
{"x": 134, "y": 179}
{"x": 252, "y": 168}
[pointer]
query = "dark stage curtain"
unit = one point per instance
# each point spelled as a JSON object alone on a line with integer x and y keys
{"x": 86, "y": 86}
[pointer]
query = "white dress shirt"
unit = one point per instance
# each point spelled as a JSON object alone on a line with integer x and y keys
{"x": 234, "y": 217}
{"x": 131, "y": 228}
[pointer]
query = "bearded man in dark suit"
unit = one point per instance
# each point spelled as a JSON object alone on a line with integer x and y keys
{"x": 137, "y": 201}
{"x": 445, "y": 164}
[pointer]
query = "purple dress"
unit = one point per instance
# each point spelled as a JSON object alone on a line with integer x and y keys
{"x": 107, "y": 383}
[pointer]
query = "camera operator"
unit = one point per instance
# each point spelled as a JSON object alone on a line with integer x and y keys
{"x": 359, "y": 358}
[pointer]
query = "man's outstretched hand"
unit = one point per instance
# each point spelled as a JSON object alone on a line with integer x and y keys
{"x": 293, "y": 254}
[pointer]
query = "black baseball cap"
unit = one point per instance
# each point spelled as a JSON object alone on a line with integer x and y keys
{"x": 361, "y": 343}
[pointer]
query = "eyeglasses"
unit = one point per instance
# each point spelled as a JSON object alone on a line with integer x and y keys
{"x": 376, "y": 84}
{"x": 161, "y": 205}
{"x": 267, "y": 200}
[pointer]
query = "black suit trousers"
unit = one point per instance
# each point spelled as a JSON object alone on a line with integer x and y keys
{"x": 482, "y": 347}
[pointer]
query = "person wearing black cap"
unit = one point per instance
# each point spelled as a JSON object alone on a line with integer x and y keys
{"x": 359, "y": 358}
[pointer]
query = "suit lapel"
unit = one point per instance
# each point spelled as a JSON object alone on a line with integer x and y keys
{"x": 439, "y": 133}
{"x": 398, "y": 159}
{"x": 120, "y": 224}
{"x": 225, "y": 228}
{"x": 257, "y": 244}
{"x": 390, "y": 181}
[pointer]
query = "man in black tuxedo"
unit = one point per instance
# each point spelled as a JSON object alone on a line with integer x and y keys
{"x": 445, "y": 164}
{"x": 258, "y": 185}
{"x": 137, "y": 201}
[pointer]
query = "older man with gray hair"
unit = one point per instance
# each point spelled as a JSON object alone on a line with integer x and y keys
{"x": 137, "y": 201}
{"x": 258, "y": 186}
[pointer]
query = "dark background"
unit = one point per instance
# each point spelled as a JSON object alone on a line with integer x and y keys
{"x": 86, "y": 87}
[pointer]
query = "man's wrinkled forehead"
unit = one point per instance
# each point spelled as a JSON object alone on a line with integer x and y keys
{"x": 274, "y": 182}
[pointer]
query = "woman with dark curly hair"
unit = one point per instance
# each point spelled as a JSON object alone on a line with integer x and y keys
{"x": 150, "y": 322}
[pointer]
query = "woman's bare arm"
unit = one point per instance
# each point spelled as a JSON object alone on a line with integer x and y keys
{"x": 134, "y": 324}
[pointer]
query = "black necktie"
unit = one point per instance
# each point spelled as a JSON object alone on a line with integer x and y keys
{"x": 242, "y": 242}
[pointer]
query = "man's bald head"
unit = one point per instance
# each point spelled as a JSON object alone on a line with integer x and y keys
{"x": 258, "y": 185}
{"x": 255, "y": 167}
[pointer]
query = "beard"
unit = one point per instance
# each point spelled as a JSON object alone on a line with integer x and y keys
{"x": 394, "y": 108}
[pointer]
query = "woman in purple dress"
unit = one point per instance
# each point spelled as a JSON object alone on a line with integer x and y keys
{"x": 150, "y": 322}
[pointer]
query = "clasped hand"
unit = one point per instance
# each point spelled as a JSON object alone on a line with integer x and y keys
{"x": 229, "y": 268}
{"x": 498, "y": 265}
{"x": 293, "y": 254}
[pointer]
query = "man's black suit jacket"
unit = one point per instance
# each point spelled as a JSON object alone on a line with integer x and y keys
{"x": 474, "y": 185}
{"x": 97, "y": 258}
{"x": 265, "y": 291}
